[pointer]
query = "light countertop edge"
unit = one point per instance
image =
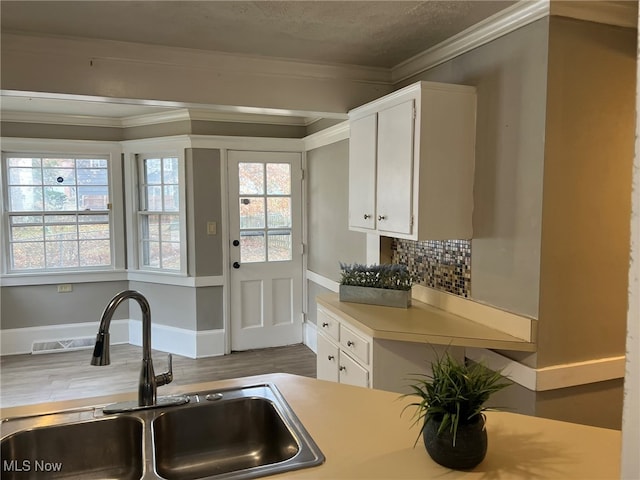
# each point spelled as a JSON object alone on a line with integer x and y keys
{"x": 421, "y": 323}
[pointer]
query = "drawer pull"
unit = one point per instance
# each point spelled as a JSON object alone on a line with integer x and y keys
{"x": 350, "y": 343}
{"x": 343, "y": 368}
{"x": 330, "y": 357}
{"x": 325, "y": 324}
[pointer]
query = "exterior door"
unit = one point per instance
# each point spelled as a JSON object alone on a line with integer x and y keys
{"x": 265, "y": 217}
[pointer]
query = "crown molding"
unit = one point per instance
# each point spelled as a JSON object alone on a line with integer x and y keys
{"x": 327, "y": 136}
{"x": 496, "y": 26}
{"x": 61, "y": 119}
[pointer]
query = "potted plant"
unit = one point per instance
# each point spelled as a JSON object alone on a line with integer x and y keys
{"x": 385, "y": 284}
{"x": 450, "y": 408}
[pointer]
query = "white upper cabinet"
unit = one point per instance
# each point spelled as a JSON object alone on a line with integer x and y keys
{"x": 411, "y": 163}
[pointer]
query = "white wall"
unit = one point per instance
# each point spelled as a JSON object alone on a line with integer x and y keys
{"x": 631, "y": 410}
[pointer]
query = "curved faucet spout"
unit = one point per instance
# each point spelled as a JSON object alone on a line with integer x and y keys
{"x": 148, "y": 384}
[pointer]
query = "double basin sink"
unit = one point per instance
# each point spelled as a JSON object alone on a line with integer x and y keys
{"x": 235, "y": 433}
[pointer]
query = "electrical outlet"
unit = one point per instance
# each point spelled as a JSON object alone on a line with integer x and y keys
{"x": 65, "y": 288}
{"x": 212, "y": 228}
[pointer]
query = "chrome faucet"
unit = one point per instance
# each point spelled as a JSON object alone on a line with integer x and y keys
{"x": 147, "y": 386}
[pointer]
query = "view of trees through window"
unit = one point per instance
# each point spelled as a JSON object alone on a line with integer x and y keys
{"x": 265, "y": 212}
{"x": 58, "y": 212}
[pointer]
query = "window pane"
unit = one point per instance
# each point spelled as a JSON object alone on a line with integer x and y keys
{"x": 24, "y": 162}
{"x": 278, "y": 179}
{"x": 279, "y": 246}
{"x": 251, "y": 178}
{"x": 171, "y": 198}
{"x": 170, "y": 170}
{"x": 61, "y": 254}
{"x": 152, "y": 171}
{"x": 27, "y": 234}
{"x": 278, "y": 212}
{"x": 58, "y": 163}
{"x": 154, "y": 199}
{"x": 27, "y": 255}
{"x": 170, "y": 228}
{"x": 91, "y": 163}
{"x": 151, "y": 227}
{"x": 25, "y": 199}
{"x": 61, "y": 219}
{"x": 171, "y": 256}
{"x": 95, "y": 253}
{"x": 151, "y": 254}
{"x": 93, "y": 219}
{"x": 252, "y": 247}
{"x": 92, "y": 176}
{"x": 93, "y": 231}
{"x": 60, "y": 198}
{"x": 25, "y": 219}
{"x": 59, "y": 176}
{"x": 60, "y": 232}
{"x": 25, "y": 176}
{"x": 93, "y": 198}
{"x": 252, "y": 213}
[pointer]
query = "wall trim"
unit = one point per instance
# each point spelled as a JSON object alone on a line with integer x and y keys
{"x": 508, "y": 20}
{"x": 310, "y": 336}
{"x": 325, "y": 137}
{"x": 179, "y": 341}
{"x": 246, "y": 143}
{"x": 516, "y": 325}
{"x": 323, "y": 281}
{"x": 552, "y": 377}
{"x": 177, "y": 280}
{"x": 14, "y": 341}
{"x": 61, "y": 119}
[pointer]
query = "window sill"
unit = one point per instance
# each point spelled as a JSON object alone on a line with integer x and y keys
{"x": 51, "y": 278}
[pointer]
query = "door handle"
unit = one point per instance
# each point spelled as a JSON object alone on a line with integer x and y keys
{"x": 236, "y": 243}
{"x": 236, "y": 265}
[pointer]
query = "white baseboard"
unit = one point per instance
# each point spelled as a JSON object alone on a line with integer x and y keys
{"x": 310, "y": 336}
{"x": 15, "y": 341}
{"x": 180, "y": 341}
{"x": 554, "y": 376}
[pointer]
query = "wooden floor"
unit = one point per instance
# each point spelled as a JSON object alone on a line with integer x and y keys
{"x": 29, "y": 379}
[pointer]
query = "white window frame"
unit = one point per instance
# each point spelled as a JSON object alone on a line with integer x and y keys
{"x": 112, "y": 151}
{"x": 135, "y": 151}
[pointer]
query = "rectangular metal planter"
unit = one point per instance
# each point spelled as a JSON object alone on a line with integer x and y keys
{"x": 375, "y": 296}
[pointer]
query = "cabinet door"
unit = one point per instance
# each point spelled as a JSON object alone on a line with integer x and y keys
{"x": 327, "y": 359}
{"x": 351, "y": 372}
{"x": 395, "y": 168}
{"x": 362, "y": 172}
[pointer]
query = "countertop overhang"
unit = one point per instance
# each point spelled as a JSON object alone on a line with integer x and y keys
{"x": 422, "y": 323}
{"x": 364, "y": 434}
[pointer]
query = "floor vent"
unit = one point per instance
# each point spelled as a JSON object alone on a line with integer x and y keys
{"x": 62, "y": 345}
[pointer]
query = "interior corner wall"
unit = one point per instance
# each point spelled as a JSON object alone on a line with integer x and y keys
{"x": 329, "y": 239}
{"x": 204, "y": 205}
{"x": 587, "y": 190}
{"x": 510, "y": 76}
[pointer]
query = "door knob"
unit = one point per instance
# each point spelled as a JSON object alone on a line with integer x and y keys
{"x": 236, "y": 265}
{"x": 236, "y": 243}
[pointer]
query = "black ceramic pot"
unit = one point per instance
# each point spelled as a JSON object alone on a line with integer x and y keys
{"x": 470, "y": 448}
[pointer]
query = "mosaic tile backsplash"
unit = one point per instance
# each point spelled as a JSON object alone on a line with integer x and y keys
{"x": 444, "y": 265}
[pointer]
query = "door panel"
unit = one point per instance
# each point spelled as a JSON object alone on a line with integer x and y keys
{"x": 265, "y": 216}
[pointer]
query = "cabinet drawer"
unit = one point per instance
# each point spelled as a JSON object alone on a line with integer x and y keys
{"x": 354, "y": 344}
{"x": 328, "y": 324}
{"x": 352, "y": 373}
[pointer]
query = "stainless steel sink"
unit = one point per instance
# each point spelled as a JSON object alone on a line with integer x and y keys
{"x": 236, "y": 433}
{"x": 110, "y": 447}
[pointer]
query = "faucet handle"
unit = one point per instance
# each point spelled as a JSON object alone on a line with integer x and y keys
{"x": 166, "y": 377}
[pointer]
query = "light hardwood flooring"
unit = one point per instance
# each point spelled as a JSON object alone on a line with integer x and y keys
{"x": 30, "y": 379}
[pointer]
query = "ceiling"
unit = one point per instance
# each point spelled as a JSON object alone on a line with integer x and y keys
{"x": 369, "y": 33}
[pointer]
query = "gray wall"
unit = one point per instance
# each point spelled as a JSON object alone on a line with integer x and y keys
{"x": 510, "y": 75}
{"x": 329, "y": 239}
{"x": 42, "y": 305}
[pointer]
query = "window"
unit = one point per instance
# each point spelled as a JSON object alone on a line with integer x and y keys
{"x": 58, "y": 212}
{"x": 160, "y": 227}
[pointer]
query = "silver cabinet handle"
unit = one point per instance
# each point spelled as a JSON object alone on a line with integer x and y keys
{"x": 382, "y": 217}
{"x": 350, "y": 343}
{"x": 330, "y": 357}
{"x": 367, "y": 216}
{"x": 325, "y": 324}
{"x": 342, "y": 369}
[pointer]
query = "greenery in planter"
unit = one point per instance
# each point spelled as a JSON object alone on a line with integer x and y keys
{"x": 454, "y": 394}
{"x": 392, "y": 277}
